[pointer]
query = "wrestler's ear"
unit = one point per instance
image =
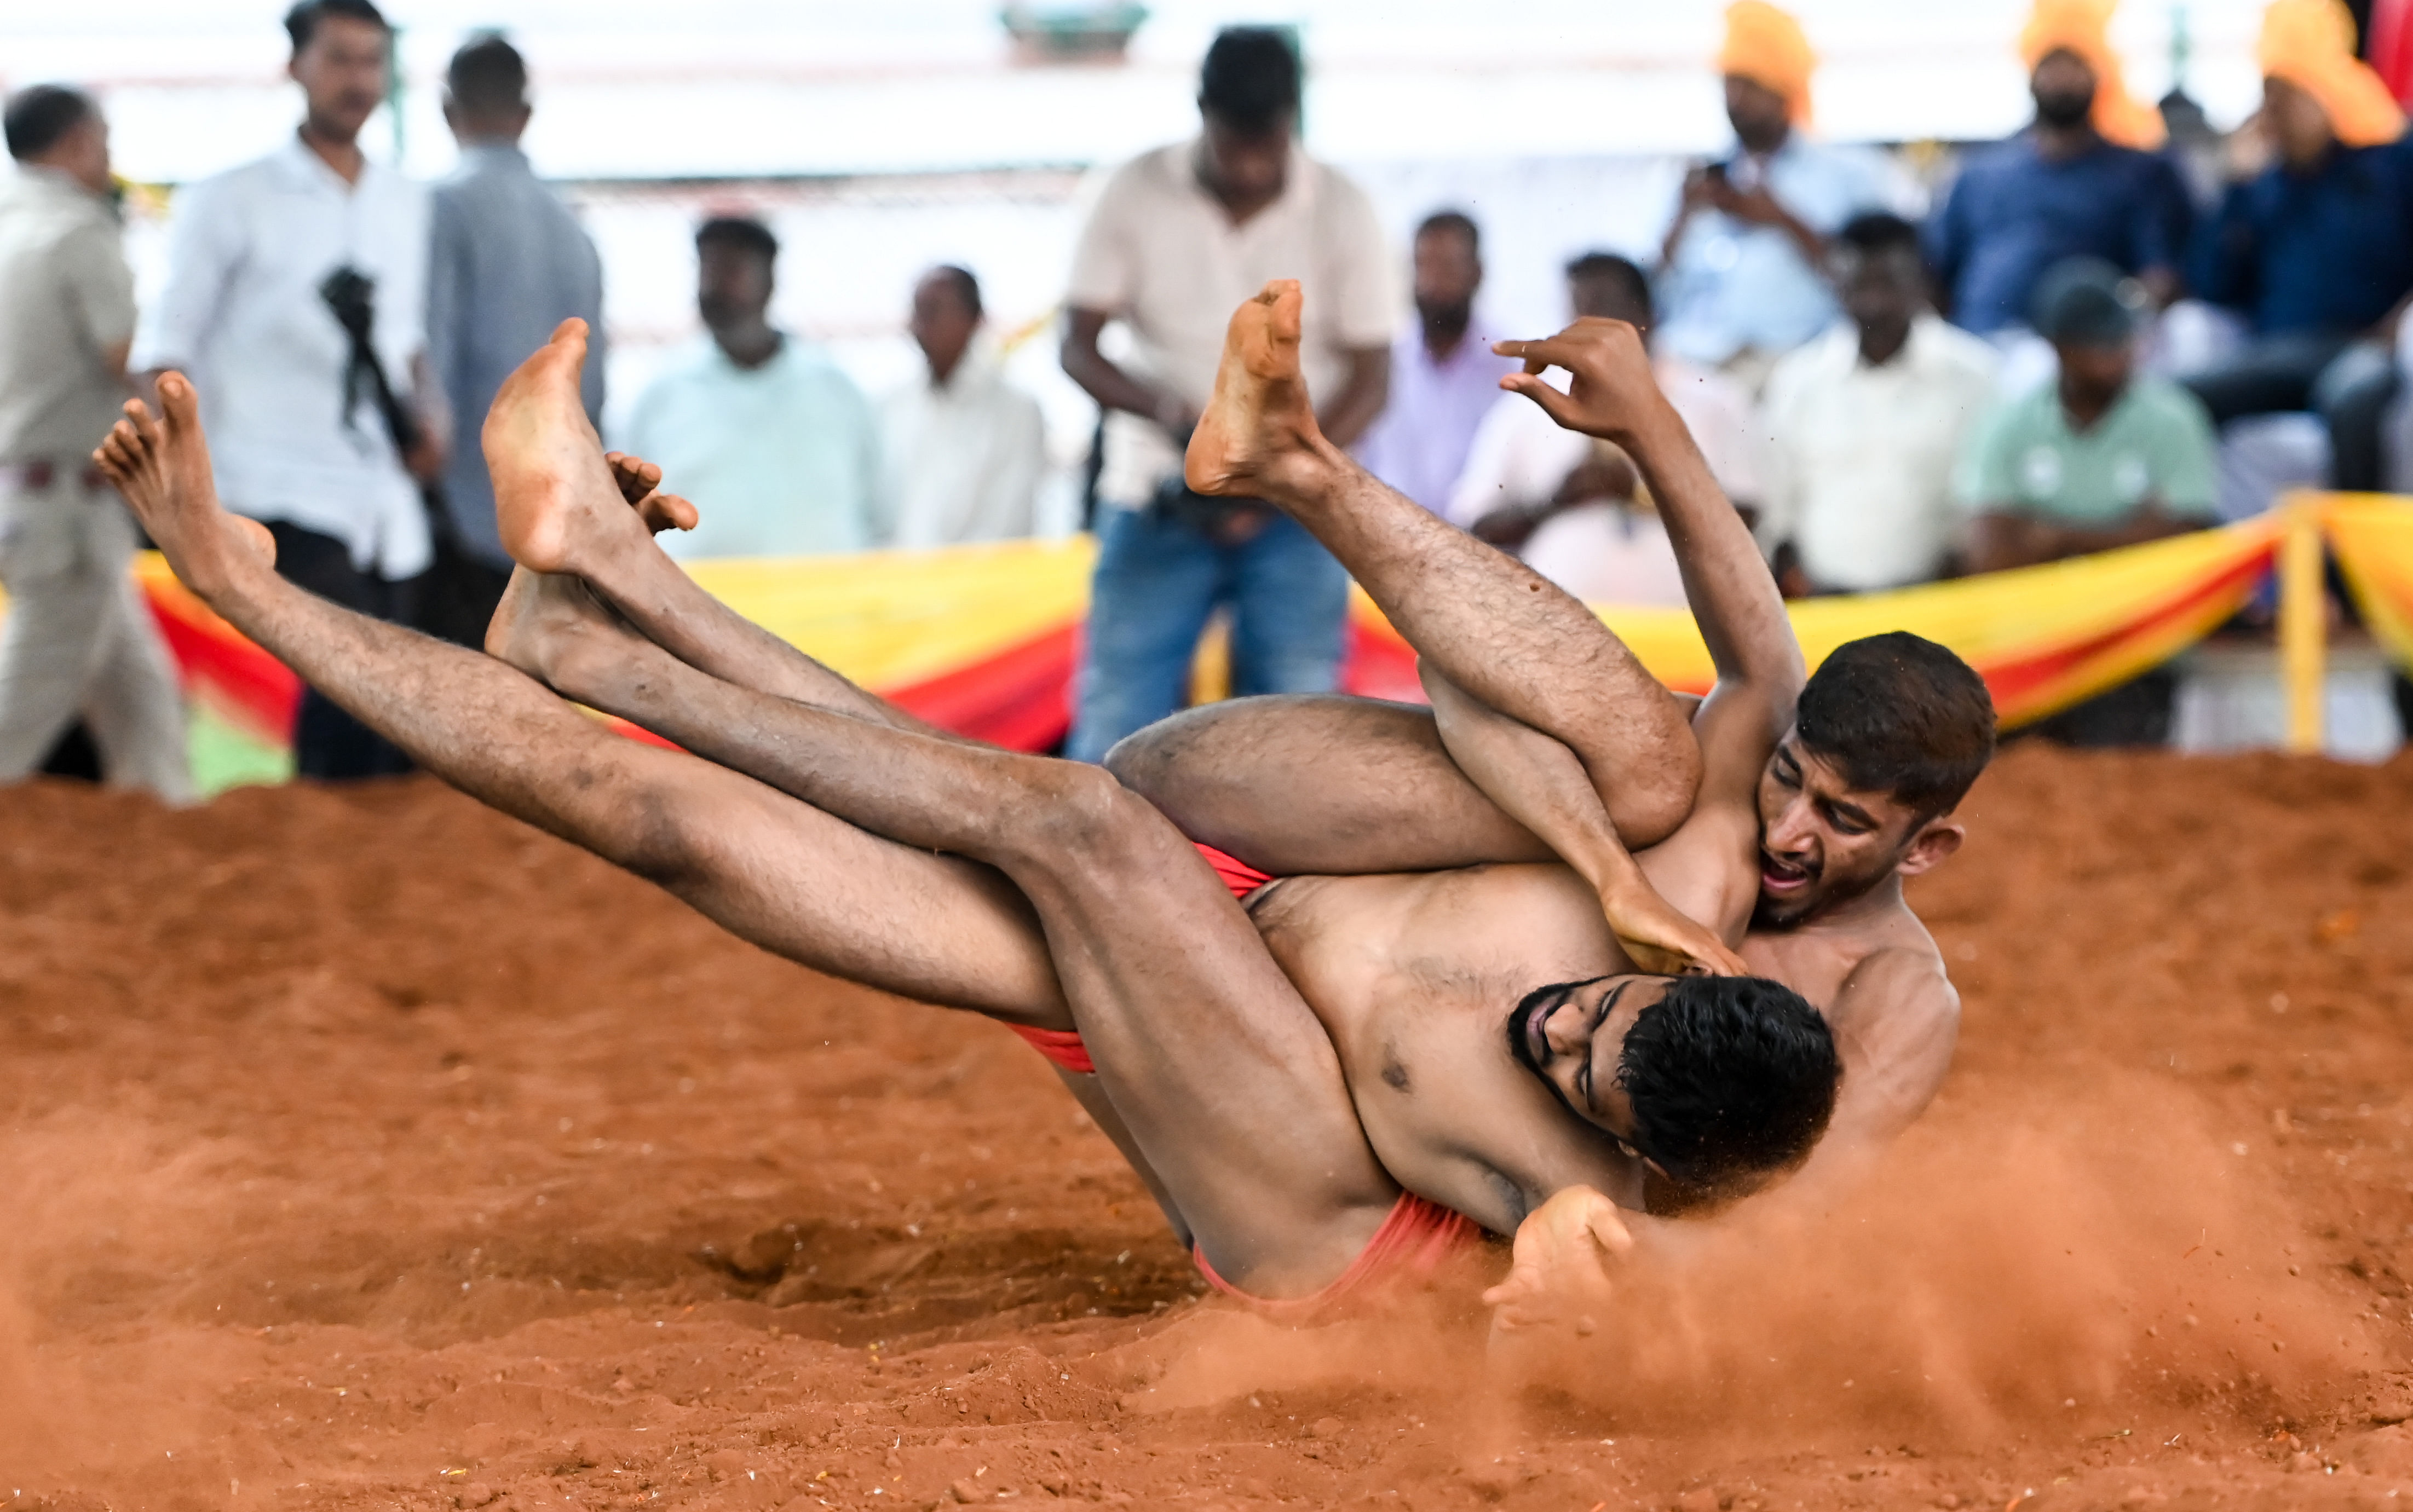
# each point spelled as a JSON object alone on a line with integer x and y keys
{"x": 1936, "y": 839}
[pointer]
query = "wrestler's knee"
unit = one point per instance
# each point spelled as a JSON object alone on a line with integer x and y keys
{"x": 1647, "y": 817}
{"x": 1082, "y": 816}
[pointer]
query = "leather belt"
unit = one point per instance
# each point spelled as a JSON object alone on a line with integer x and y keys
{"x": 37, "y": 476}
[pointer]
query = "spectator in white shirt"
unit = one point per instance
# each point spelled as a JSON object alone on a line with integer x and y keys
{"x": 777, "y": 447}
{"x": 296, "y": 428}
{"x": 1574, "y": 509}
{"x": 964, "y": 447}
{"x": 1869, "y": 422}
{"x": 1179, "y": 237}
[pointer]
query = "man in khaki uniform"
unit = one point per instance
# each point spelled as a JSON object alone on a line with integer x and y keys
{"x": 78, "y": 639}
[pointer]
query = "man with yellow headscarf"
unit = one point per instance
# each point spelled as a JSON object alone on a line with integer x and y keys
{"x": 2079, "y": 181}
{"x": 2313, "y": 243}
{"x": 1740, "y": 279}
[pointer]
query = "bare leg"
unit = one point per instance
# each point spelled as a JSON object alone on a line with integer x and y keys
{"x": 798, "y": 883}
{"x": 1494, "y": 627}
{"x": 1224, "y": 1075}
{"x": 1320, "y": 784}
{"x": 587, "y": 531}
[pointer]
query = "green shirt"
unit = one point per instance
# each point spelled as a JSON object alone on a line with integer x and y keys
{"x": 2156, "y": 442}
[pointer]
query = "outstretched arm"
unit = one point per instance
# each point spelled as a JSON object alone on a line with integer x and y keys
{"x": 1494, "y": 627}
{"x": 1615, "y": 396}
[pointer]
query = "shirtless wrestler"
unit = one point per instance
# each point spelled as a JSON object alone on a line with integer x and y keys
{"x": 1039, "y": 892}
{"x": 1846, "y": 785}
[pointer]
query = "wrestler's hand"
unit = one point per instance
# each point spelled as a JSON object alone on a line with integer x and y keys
{"x": 1558, "y": 1274}
{"x": 640, "y": 483}
{"x": 1658, "y": 939}
{"x": 1612, "y": 388}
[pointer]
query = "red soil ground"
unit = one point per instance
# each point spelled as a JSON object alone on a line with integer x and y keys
{"x": 372, "y": 1150}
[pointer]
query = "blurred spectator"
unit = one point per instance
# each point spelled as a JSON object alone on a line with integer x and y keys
{"x": 510, "y": 263}
{"x": 1179, "y": 238}
{"x": 2314, "y": 242}
{"x": 1867, "y": 423}
{"x": 2100, "y": 459}
{"x": 78, "y": 640}
{"x": 1444, "y": 374}
{"x": 296, "y": 299}
{"x": 1739, "y": 272}
{"x": 2076, "y": 183}
{"x": 779, "y": 450}
{"x": 963, "y": 446}
{"x": 1573, "y": 508}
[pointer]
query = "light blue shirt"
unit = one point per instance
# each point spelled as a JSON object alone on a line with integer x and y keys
{"x": 781, "y": 460}
{"x": 1733, "y": 285}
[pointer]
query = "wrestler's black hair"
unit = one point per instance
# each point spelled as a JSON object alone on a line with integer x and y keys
{"x": 301, "y": 21}
{"x": 487, "y": 75}
{"x": 744, "y": 233}
{"x": 37, "y": 117}
{"x": 1732, "y": 1079}
{"x": 1456, "y": 223}
{"x": 1250, "y": 80}
{"x": 1900, "y": 714}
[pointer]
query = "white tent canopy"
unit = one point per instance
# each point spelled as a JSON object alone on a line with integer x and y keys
{"x": 635, "y": 89}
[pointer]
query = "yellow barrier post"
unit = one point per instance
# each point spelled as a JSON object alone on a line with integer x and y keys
{"x": 2303, "y": 623}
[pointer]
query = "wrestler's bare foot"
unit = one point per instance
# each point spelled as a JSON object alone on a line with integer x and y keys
{"x": 162, "y": 466}
{"x": 557, "y": 502}
{"x": 1258, "y": 437}
{"x": 554, "y": 628}
{"x": 641, "y": 484}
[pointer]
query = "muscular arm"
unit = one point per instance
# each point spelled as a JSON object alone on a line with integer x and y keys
{"x": 1895, "y": 1022}
{"x": 1614, "y": 394}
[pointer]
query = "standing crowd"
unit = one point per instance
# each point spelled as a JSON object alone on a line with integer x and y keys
{"x": 1888, "y": 400}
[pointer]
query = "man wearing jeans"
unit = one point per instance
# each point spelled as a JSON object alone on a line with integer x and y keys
{"x": 1178, "y": 237}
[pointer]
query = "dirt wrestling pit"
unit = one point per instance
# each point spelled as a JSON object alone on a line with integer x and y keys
{"x": 369, "y": 1149}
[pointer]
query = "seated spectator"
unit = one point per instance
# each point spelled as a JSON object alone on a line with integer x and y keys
{"x": 775, "y": 446}
{"x": 1444, "y": 374}
{"x": 964, "y": 447}
{"x": 1865, "y": 424}
{"x": 2100, "y": 459}
{"x": 1738, "y": 276}
{"x": 1573, "y": 508}
{"x": 2074, "y": 183}
{"x": 2316, "y": 247}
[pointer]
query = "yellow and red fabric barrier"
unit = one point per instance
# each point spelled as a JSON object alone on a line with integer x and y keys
{"x": 2372, "y": 536}
{"x": 984, "y": 640}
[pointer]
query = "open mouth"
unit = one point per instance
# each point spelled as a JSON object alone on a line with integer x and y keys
{"x": 1783, "y": 877}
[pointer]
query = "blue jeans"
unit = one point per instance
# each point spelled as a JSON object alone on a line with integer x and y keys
{"x": 1157, "y": 582}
